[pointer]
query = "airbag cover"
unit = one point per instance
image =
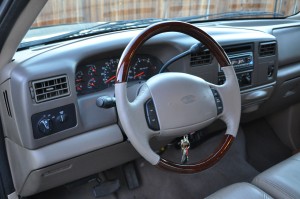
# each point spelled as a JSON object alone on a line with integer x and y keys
{"x": 181, "y": 100}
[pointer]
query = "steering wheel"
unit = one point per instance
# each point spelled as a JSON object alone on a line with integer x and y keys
{"x": 172, "y": 104}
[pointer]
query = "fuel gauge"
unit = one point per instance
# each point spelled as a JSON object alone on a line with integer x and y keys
{"x": 79, "y": 76}
{"x": 91, "y": 83}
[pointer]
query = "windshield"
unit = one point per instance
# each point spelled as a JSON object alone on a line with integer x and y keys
{"x": 59, "y": 18}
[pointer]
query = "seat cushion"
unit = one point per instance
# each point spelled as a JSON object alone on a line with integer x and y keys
{"x": 240, "y": 190}
{"x": 281, "y": 180}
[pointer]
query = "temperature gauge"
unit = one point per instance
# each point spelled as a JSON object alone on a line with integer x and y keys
{"x": 92, "y": 70}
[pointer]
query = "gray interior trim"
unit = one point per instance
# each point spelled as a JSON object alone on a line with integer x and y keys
{"x": 72, "y": 169}
{"x": 240, "y": 190}
{"x": 281, "y": 180}
{"x": 288, "y": 51}
{"x": 286, "y": 125}
{"x": 13, "y": 195}
{"x": 78, "y": 145}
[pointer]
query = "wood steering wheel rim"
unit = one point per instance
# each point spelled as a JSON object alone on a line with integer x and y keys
{"x": 217, "y": 51}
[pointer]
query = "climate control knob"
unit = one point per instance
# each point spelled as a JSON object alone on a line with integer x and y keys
{"x": 45, "y": 126}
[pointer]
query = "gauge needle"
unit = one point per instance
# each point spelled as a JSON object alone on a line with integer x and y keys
{"x": 140, "y": 74}
{"x": 113, "y": 77}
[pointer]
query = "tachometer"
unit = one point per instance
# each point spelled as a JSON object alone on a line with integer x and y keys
{"x": 144, "y": 68}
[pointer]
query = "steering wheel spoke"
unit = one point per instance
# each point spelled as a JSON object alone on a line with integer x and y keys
{"x": 134, "y": 120}
{"x": 230, "y": 101}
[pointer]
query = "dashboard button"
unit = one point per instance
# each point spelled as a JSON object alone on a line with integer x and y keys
{"x": 62, "y": 118}
{"x": 45, "y": 126}
{"x": 218, "y": 101}
{"x": 151, "y": 116}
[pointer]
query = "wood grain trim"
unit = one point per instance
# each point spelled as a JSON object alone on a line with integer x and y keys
{"x": 202, "y": 165}
{"x": 170, "y": 26}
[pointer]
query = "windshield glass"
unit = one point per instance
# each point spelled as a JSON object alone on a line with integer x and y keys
{"x": 59, "y": 18}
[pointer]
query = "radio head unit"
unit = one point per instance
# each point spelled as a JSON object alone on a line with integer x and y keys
{"x": 243, "y": 66}
{"x": 241, "y": 61}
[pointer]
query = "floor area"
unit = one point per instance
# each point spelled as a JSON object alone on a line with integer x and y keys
{"x": 156, "y": 183}
{"x": 255, "y": 149}
{"x": 264, "y": 149}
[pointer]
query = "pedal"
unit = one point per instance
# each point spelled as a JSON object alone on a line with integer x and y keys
{"x": 106, "y": 188}
{"x": 131, "y": 176}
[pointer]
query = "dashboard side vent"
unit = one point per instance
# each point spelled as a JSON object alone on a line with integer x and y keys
{"x": 50, "y": 88}
{"x": 202, "y": 58}
{"x": 267, "y": 49}
{"x": 5, "y": 96}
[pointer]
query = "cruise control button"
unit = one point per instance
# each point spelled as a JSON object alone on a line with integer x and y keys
{"x": 218, "y": 101}
{"x": 151, "y": 116}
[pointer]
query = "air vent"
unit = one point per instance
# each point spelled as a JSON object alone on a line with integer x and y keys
{"x": 51, "y": 88}
{"x": 267, "y": 49}
{"x": 236, "y": 49}
{"x": 202, "y": 58}
{"x": 5, "y": 96}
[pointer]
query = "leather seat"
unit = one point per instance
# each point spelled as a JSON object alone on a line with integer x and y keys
{"x": 281, "y": 180}
{"x": 240, "y": 190}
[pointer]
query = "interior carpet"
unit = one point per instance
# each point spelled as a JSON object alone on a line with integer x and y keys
{"x": 157, "y": 183}
{"x": 264, "y": 148}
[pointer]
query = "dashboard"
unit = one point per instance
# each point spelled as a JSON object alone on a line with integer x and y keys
{"x": 57, "y": 128}
{"x": 100, "y": 74}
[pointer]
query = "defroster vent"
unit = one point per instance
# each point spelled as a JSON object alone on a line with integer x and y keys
{"x": 202, "y": 58}
{"x": 50, "y": 88}
{"x": 267, "y": 49}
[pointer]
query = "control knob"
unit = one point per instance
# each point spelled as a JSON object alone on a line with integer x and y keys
{"x": 45, "y": 126}
{"x": 246, "y": 79}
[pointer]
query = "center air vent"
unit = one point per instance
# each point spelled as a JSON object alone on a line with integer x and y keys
{"x": 267, "y": 49}
{"x": 51, "y": 88}
{"x": 202, "y": 58}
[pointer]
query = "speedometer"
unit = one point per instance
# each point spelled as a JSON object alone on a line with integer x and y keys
{"x": 108, "y": 71}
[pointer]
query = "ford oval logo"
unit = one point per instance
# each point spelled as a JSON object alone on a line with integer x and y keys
{"x": 188, "y": 99}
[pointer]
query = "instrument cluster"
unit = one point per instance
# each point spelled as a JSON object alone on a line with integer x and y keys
{"x": 101, "y": 74}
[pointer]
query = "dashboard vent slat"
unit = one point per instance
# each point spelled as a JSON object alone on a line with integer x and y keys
{"x": 5, "y": 96}
{"x": 50, "y": 88}
{"x": 202, "y": 58}
{"x": 267, "y": 49}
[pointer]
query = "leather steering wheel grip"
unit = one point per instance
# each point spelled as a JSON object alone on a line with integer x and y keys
{"x": 139, "y": 134}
